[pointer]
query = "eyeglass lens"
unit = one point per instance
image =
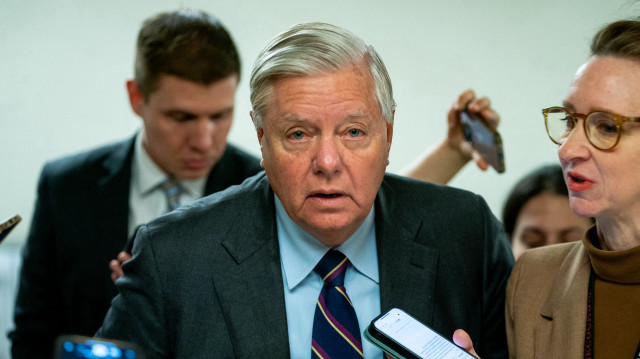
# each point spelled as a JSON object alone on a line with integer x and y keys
{"x": 601, "y": 127}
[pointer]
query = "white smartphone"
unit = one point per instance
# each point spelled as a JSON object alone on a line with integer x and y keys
{"x": 404, "y": 337}
{"x": 8, "y": 225}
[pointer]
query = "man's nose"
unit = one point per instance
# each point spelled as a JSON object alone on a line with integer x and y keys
{"x": 201, "y": 136}
{"x": 328, "y": 158}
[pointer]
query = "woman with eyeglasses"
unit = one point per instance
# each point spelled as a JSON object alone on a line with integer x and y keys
{"x": 582, "y": 299}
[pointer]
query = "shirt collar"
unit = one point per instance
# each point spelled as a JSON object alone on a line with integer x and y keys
{"x": 147, "y": 175}
{"x": 300, "y": 251}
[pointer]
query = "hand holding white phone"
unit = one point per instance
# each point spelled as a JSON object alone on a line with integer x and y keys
{"x": 402, "y": 336}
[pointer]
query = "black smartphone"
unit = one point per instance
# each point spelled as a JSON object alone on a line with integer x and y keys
{"x": 80, "y": 347}
{"x": 483, "y": 138}
{"x": 404, "y": 337}
{"x": 8, "y": 225}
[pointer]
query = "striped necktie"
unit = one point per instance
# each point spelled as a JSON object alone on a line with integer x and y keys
{"x": 336, "y": 333}
{"x": 172, "y": 191}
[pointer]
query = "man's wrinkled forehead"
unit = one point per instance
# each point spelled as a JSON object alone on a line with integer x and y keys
{"x": 363, "y": 72}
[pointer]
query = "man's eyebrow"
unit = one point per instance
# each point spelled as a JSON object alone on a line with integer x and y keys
{"x": 178, "y": 110}
{"x": 356, "y": 114}
{"x": 222, "y": 112}
{"x": 292, "y": 117}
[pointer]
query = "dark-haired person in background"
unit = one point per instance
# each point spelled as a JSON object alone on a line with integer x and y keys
{"x": 186, "y": 74}
{"x": 537, "y": 213}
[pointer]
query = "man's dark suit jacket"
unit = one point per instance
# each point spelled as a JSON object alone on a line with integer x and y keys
{"x": 206, "y": 280}
{"x": 79, "y": 224}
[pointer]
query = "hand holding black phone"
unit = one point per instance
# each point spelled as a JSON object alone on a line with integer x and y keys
{"x": 402, "y": 336}
{"x": 483, "y": 138}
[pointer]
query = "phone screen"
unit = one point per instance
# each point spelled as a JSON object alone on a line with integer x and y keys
{"x": 79, "y": 347}
{"x": 418, "y": 338}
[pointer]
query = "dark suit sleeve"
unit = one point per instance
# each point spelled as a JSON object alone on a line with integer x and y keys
{"x": 498, "y": 262}
{"x": 137, "y": 313}
{"x": 37, "y": 299}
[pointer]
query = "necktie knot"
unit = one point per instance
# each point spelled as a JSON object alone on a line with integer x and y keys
{"x": 332, "y": 268}
{"x": 172, "y": 191}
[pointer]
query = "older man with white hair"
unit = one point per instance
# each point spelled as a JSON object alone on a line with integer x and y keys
{"x": 295, "y": 262}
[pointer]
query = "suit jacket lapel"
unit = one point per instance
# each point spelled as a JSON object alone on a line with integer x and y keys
{"x": 251, "y": 292}
{"x": 113, "y": 198}
{"x": 562, "y": 335}
{"x": 407, "y": 268}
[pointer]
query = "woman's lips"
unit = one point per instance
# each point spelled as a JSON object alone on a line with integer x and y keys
{"x": 578, "y": 183}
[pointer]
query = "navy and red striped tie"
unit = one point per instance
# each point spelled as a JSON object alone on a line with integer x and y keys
{"x": 336, "y": 333}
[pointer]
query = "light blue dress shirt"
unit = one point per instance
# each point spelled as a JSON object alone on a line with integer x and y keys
{"x": 299, "y": 254}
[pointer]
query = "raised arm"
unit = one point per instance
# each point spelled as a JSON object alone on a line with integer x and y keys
{"x": 439, "y": 164}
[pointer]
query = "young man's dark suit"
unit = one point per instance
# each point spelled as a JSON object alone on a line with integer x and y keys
{"x": 80, "y": 223}
{"x": 206, "y": 280}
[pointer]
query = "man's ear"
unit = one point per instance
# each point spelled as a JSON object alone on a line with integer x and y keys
{"x": 260, "y": 133}
{"x": 259, "y": 130}
{"x": 136, "y": 100}
{"x": 390, "y": 130}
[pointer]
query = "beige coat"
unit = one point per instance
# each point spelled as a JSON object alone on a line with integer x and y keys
{"x": 546, "y": 304}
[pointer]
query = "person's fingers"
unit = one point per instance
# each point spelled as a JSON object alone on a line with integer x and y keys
{"x": 462, "y": 339}
{"x": 458, "y": 105}
{"x": 479, "y": 104}
{"x": 464, "y": 99}
{"x": 480, "y": 162}
{"x": 123, "y": 257}
{"x": 116, "y": 269}
{"x": 483, "y": 107}
{"x": 491, "y": 116}
{"x": 114, "y": 265}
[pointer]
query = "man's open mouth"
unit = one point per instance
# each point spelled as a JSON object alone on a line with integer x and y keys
{"x": 332, "y": 195}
